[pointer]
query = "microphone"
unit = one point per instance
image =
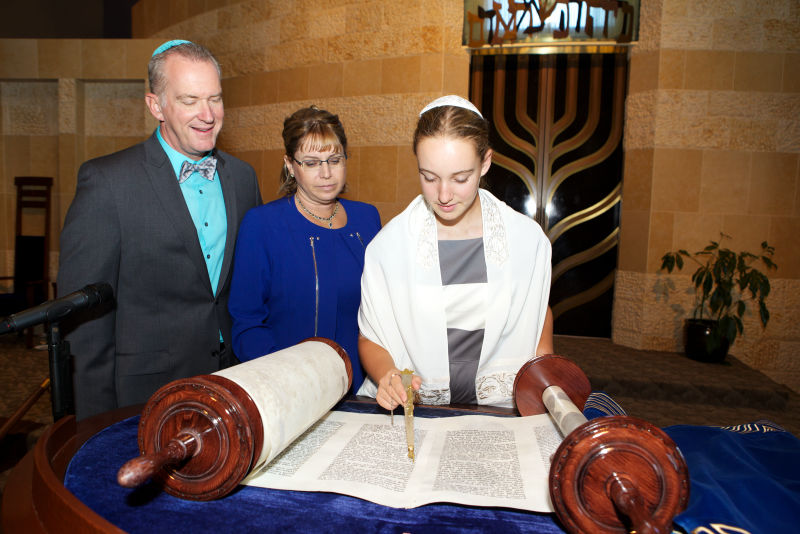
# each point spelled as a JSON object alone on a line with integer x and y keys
{"x": 55, "y": 310}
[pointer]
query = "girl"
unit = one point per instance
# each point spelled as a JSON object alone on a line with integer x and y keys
{"x": 456, "y": 286}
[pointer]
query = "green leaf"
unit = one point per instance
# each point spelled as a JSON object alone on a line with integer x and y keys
{"x": 763, "y": 313}
{"x": 717, "y": 300}
{"x": 754, "y": 286}
{"x": 764, "y": 287}
{"x": 743, "y": 282}
{"x": 699, "y": 276}
{"x": 707, "y": 283}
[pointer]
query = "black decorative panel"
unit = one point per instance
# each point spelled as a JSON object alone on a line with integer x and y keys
{"x": 556, "y": 129}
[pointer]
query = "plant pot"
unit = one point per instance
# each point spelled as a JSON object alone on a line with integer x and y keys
{"x": 703, "y": 342}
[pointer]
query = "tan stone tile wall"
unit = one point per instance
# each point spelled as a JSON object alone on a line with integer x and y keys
{"x": 63, "y": 101}
{"x": 720, "y": 129}
{"x": 712, "y": 145}
{"x": 372, "y": 62}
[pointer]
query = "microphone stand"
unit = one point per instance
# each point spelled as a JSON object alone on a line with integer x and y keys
{"x": 60, "y": 373}
{"x": 50, "y": 313}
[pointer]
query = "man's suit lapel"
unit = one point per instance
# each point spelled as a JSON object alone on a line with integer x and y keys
{"x": 165, "y": 184}
{"x": 231, "y": 211}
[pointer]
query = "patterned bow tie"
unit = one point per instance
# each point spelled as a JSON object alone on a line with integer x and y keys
{"x": 206, "y": 169}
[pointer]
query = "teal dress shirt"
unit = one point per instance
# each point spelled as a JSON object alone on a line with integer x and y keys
{"x": 207, "y": 208}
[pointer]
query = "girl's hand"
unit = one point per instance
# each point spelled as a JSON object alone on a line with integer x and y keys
{"x": 391, "y": 392}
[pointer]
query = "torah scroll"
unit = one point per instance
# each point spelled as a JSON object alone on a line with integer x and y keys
{"x": 201, "y": 436}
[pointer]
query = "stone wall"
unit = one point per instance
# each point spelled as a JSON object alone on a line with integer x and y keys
{"x": 374, "y": 63}
{"x": 63, "y": 101}
{"x": 712, "y": 144}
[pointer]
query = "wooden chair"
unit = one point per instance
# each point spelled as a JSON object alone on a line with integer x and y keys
{"x": 31, "y": 252}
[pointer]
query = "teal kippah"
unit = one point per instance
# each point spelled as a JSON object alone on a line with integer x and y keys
{"x": 169, "y": 44}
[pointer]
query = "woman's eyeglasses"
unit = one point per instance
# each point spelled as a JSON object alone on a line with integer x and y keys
{"x": 333, "y": 161}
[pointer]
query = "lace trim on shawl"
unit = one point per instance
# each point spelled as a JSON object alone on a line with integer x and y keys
{"x": 495, "y": 386}
{"x": 427, "y": 247}
{"x": 434, "y": 396}
{"x": 495, "y": 242}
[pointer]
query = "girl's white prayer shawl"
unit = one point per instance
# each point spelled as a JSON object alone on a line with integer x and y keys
{"x": 402, "y": 301}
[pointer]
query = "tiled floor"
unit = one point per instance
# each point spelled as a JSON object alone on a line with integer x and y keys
{"x": 668, "y": 388}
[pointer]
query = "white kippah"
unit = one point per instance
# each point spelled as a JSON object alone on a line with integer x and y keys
{"x": 451, "y": 100}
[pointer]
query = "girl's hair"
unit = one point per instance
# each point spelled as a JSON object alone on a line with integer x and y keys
{"x": 314, "y": 129}
{"x": 455, "y": 122}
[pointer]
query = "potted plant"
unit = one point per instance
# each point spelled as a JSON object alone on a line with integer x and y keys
{"x": 724, "y": 282}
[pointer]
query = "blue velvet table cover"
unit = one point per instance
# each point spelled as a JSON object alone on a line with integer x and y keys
{"x": 91, "y": 476}
{"x": 744, "y": 479}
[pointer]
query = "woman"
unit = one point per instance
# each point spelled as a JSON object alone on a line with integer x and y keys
{"x": 299, "y": 259}
{"x": 456, "y": 286}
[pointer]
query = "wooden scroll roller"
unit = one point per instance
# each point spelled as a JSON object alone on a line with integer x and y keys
{"x": 612, "y": 474}
{"x": 199, "y": 437}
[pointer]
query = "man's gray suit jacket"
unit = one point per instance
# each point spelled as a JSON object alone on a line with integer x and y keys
{"x": 129, "y": 226}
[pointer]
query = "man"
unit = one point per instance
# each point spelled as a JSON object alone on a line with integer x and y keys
{"x": 162, "y": 238}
